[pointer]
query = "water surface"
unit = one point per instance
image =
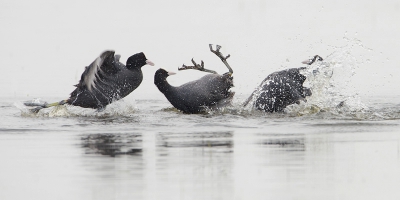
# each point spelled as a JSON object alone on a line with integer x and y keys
{"x": 148, "y": 150}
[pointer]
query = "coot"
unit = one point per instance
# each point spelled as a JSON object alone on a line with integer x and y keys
{"x": 280, "y": 89}
{"x": 104, "y": 81}
{"x": 210, "y": 91}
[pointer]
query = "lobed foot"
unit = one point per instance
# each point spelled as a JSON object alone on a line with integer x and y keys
{"x": 36, "y": 110}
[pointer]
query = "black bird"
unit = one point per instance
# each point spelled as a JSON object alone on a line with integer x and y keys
{"x": 210, "y": 91}
{"x": 281, "y": 89}
{"x": 104, "y": 81}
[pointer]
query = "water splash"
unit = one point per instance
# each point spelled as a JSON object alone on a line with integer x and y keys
{"x": 119, "y": 108}
{"x": 330, "y": 81}
{"x": 333, "y": 95}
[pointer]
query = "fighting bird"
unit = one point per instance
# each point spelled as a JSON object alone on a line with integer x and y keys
{"x": 104, "y": 81}
{"x": 281, "y": 89}
{"x": 211, "y": 91}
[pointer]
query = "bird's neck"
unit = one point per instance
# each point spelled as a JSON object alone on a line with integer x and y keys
{"x": 164, "y": 86}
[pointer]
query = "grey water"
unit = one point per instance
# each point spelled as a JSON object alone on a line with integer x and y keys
{"x": 145, "y": 149}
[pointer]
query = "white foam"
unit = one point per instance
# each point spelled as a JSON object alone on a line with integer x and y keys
{"x": 119, "y": 108}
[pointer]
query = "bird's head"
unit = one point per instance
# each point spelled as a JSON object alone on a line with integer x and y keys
{"x": 160, "y": 79}
{"x": 162, "y": 74}
{"x": 137, "y": 61}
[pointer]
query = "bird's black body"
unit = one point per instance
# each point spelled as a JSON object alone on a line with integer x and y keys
{"x": 279, "y": 90}
{"x": 107, "y": 80}
{"x": 210, "y": 91}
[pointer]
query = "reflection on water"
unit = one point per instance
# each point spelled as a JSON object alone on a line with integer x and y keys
{"x": 248, "y": 165}
{"x": 230, "y": 164}
{"x": 112, "y": 144}
{"x": 287, "y": 143}
{"x": 196, "y": 139}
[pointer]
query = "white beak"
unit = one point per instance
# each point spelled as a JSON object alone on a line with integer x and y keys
{"x": 171, "y": 73}
{"x": 149, "y": 62}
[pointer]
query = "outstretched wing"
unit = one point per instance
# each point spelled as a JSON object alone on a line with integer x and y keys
{"x": 103, "y": 65}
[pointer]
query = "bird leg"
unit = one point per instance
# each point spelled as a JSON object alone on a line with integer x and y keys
{"x": 43, "y": 105}
{"x": 197, "y": 67}
{"x": 223, "y": 58}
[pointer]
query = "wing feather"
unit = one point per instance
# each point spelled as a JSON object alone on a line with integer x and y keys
{"x": 91, "y": 74}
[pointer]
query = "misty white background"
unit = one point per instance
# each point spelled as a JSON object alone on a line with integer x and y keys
{"x": 45, "y": 45}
